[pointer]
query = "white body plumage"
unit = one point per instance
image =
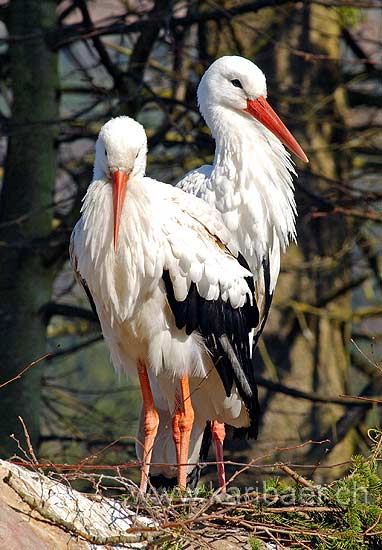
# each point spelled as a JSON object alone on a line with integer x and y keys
{"x": 159, "y": 230}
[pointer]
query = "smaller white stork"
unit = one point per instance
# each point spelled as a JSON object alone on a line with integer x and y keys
{"x": 174, "y": 298}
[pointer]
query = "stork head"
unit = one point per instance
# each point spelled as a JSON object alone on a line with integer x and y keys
{"x": 237, "y": 84}
{"x": 120, "y": 156}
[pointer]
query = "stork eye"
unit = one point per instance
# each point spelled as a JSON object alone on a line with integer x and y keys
{"x": 235, "y": 82}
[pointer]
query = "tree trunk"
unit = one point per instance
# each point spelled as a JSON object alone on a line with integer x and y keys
{"x": 315, "y": 355}
{"x": 26, "y": 214}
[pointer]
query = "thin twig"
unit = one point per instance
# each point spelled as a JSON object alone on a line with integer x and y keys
{"x": 28, "y": 440}
{"x": 360, "y": 398}
{"x": 296, "y": 477}
{"x": 18, "y": 376}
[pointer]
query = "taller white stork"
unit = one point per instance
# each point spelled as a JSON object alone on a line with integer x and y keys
{"x": 174, "y": 298}
{"x": 250, "y": 182}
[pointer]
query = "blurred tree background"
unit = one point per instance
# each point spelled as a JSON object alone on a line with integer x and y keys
{"x": 68, "y": 66}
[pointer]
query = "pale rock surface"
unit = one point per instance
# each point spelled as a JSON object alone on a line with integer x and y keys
{"x": 24, "y": 529}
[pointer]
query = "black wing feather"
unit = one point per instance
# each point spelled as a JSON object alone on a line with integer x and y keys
{"x": 268, "y": 299}
{"x": 192, "y": 311}
{"x": 89, "y": 296}
{"x": 225, "y": 331}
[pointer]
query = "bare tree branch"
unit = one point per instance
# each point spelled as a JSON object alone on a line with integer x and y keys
{"x": 64, "y": 310}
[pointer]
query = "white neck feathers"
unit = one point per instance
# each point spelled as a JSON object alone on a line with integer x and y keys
{"x": 252, "y": 181}
{"x": 117, "y": 275}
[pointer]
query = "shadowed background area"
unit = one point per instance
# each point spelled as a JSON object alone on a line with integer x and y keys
{"x": 68, "y": 66}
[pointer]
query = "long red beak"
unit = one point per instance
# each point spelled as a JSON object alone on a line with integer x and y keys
{"x": 263, "y": 112}
{"x": 119, "y": 180}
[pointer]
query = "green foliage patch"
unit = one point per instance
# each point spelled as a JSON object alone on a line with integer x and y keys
{"x": 343, "y": 515}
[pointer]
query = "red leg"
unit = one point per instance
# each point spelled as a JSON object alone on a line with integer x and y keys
{"x": 181, "y": 428}
{"x": 151, "y": 422}
{"x": 218, "y": 435}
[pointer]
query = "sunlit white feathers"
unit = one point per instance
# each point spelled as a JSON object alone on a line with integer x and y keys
{"x": 250, "y": 181}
